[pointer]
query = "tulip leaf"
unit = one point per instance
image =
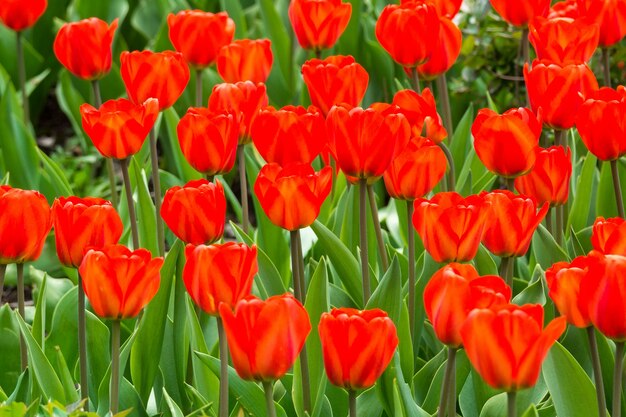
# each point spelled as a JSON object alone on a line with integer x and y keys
{"x": 545, "y": 249}
{"x": 580, "y": 208}
{"x": 281, "y": 41}
{"x": 531, "y": 411}
{"x": 387, "y": 295}
{"x": 605, "y": 196}
{"x": 181, "y": 167}
{"x": 485, "y": 264}
{"x": 496, "y": 406}
{"x": 534, "y": 293}
{"x": 173, "y": 408}
{"x": 70, "y": 100}
{"x": 236, "y": 12}
{"x": 368, "y": 404}
{"x": 146, "y": 220}
{"x": 65, "y": 377}
{"x": 105, "y": 10}
{"x": 39, "y": 322}
{"x": 403, "y": 402}
{"x": 461, "y": 140}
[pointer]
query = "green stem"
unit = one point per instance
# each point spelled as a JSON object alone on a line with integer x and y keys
{"x": 442, "y": 88}
{"x": 448, "y": 380}
{"x": 452, "y": 383}
{"x": 156, "y": 182}
{"x": 21, "y": 69}
{"x": 512, "y": 410}
{"x": 559, "y": 137}
{"x": 411, "y": 237}
{"x": 333, "y": 167}
{"x": 510, "y": 184}
{"x": 82, "y": 344}
{"x": 20, "y": 309}
{"x": 451, "y": 172}
{"x": 597, "y": 371}
{"x": 415, "y": 81}
{"x": 559, "y": 225}
{"x": 617, "y": 379}
{"x": 131, "y": 203}
{"x": 318, "y": 53}
{"x": 379, "y": 232}
{"x": 526, "y": 56}
{"x": 223, "y": 368}
{"x": 269, "y": 398}
{"x": 506, "y": 270}
{"x": 198, "y": 87}
{"x": 352, "y": 402}
{"x": 243, "y": 183}
{"x": 3, "y": 269}
{"x": 301, "y": 266}
{"x": 297, "y": 291}
{"x": 606, "y": 66}
{"x": 549, "y": 220}
{"x": 618, "y": 189}
{"x": 363, "y": 235}
{"x": 115, "y": 366}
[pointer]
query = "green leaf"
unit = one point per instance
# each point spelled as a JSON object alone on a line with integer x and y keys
{"x": 387, "y": 295}
{"x": 65, "y": 377}
{"x": 236, "y": 12}
{"x": 173, "y": 408}
{"x": 580, "y": 208}
{"x": 39, "y": 323}
{"x": 70, "y": 100}
{"x": 105, "y": 10}
{"x": 146, "y": 220}
{"x": 461, "y": 140}
{"x": 547, "y": 252}
{"x": 172, "y": 151}
{"x": 281, "y": 41}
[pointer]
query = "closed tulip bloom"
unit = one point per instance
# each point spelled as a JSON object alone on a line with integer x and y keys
{"x": 161, "y": 75}
{"x": 507, "y": 344}
{"x": 450, "y": 226}
{"x": 558, "y": 90}
{"x": 453, "y": 292}
{"x": 416, "y": 170}
{"x": 506, "y": 143}
{"x": 200, "y": 35}
{"x": 548, "y": 181}
{"x": 84, "y": 47}
{"x": 564, "y": 279}
{"x": 357, "y": 345}
{"x": 609, "y": 236}
{"x": 445, "y": 54}
{"x": 365, "y": 141}
{"x": 244, "y": 99}
{"x": 610, "y": 15}
{"x": 290, "y": 135}
{"x": 511, "y": 222}
{"x": 196, "y": 213}
{"x": 18, "y": 15}
{"x": 602, "y": 125}
{"x": 522, "y": 12}
{"x": 245, "y": 60}
{"x": 119, "y": 282}
{"x": 292, "y": 196}
{"x": 119, "y": 127}
{"x": 564, "y": 40}
{"x": 447, "y": 8}
{"x": 219, "y": 274}
{"x": 326, "y": 81}
{"x": 265, "y": 337}
{"x": 318, "y": 24}
{"x": 409, "y": 31}
{"x": 421, "y": 112}
{"x": 209, "y": 140}
{"x": 82, "y": 223}
{"x": 25, "y": 221}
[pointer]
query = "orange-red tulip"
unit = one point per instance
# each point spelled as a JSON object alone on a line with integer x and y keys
{"x": 416, "y": 170}
{"x": 506, "y": 143}
{"x": 564, "y": 281}
{"x": 610, "y": 15}
{"x": 520, "y": 13}
{"x": 421, "y": 112}
{"x": 409, "y": 31}
{"x": 601, "y": 123}
{"x": 196, "y": 213}
{"x": 209, "y": 140}
{"x": 244, "y": 99}
{"x": 548, "y": 181}
{"x": 18, "y": 15}
{"x": 566, "y": 8}
{"x": 511, "y": 222}
{"x": 447, "y": 8}
{"x": 84, "y": 47}
{"x": 82, "y": 223}
{"x": 450, "y": 226}
{"x": 265, "y": 337}
{"x": 508, "y": 344}
{"x": 200, "y": 35}
{"x": 119, "y": 128}
{"x": 161, "y": 75}
{"x": 290, "y": 135}
{"x": 219, "y": 274}
{"x": 558, "y": 90}
{"x": 357, "y": 346}
{"x": 453, "y": 292}
{"x": 365, "y": 141}
{"x": 292, "y": 196}
{"x": 25, "y": 220}
{"x": 245, "y": 60}
{"x": 318, "y": 24}
{"x": 609, "y": 236}
{"x": 445, "y": 53}
{"x": 326, "y": 81}
{"x": 119, "y": 282}
{"x": 564, "y": 40}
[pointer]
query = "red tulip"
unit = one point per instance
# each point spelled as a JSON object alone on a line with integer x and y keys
{"x": 245, "y": 60}
{"x": 84, "y": 47}
{"x": 357, "y": 346}
{"x": 219, "y": 274}
{"x": 609, "y": 236}
{"x": 610, "y": 15}
{"x": 447, "y": 8}
{"x": 199, "y": 35}
{"x": 522, "y": 12}
{"x": 318, "y": 24}
{"x": 265, "y": 337}
{"x": 445, "y": 54}
{"x": 25, "y": 221}
{"x": 18, "y": 15}
{"x": 161, "y": 75}
{"x": 548, "y": 181}
{"x": 564, "y": 281}
{"x": 82, "y": 223}
{"x": 119, "y": 128}
{"x": 566, "y": 8}
{"x": 564, "y": 40}
{"x": 119, "y": 282}
{"x": 421, "y": 112}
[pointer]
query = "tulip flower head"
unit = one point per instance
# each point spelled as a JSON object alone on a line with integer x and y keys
{"x": 318, "y": 24}
{"x": 520, "y": 13}
{"x": 564, "y": 283}
{"x": 447, "y": 8}
{"x": 445, "y": 54}
{"x": 245, "y": 60}
{"x": 564, "y": 40}
{"x": 421, "y": 112}
{"x": 548, "y": 181}
{"x": 610, "y": 15}
{"x": 18, "y": 15}
{"x": 609, "y": 236}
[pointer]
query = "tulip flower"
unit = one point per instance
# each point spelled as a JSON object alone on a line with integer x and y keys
{"x": 18, "y": 15}
{"x": 208, "y": 140}
{"x": 447, "y": 8}
{"x": 564, "y": 279}
{"x": 548, "y": 181}
{"x": 609, "y": 236}
{"x": 565, "y": 8}
{"x": 445, "y": 54}
{"x": 610, "y": 15}
{"x": 520, "y": 13}
{"x": 318, "y": 24}
{"x": 245, "y": 60}
{"x": 326, "y": 81}
{"x": 161, "y": 75}
{"x": 564, "y": 40}
{"x": 196, "y": 213}
{"x": 421, "y": 112}
{"x": 199, "y": 35}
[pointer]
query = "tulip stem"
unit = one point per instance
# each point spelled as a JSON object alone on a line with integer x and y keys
{"x": 318, "y": 53}
{"x": 377, "y": 228}
{"x": 363, "y": 235}
{"x": 333, "y": 167}
{"x": 510, "y": 184}
{"x": 512, "y": 410}
{"x": 559, "y": 137}
{"x": 451, "y": 173}
{"x": 115, "y": 366}
{"x": 411, "y": 237}
{"x": 617, "y": 379}
{"x": 415, "y": 81}
{"x": 297, "y": 291}
{"x": 618, "y": 189}
{"x": 20, "y": 309}
{"x": 223, "y": 368}
{"x": 506, "y": 270}
{"x": 352, "y": 402}
{"x": 198, "y": 87}
{"x": 131, "y": 203}
{"x": 241, "y": 157}
{"x": 525, "y": 57}
{"x": 449, "y": 381}
{"x": 21, "y": 69}
{"x": 549, "y": 220}
{"x": 300, "y": 265}
{"x": 156, "y": 183}
{"x": 269, "y": 398}
{"x": 442, "y": 88}
{"x": 606, "y": 66}
{"x": 597, "y": 371}
{"x": 3, "y": 269}
{"x": 82, "y": 344}
{"x": 559, "y": 225}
